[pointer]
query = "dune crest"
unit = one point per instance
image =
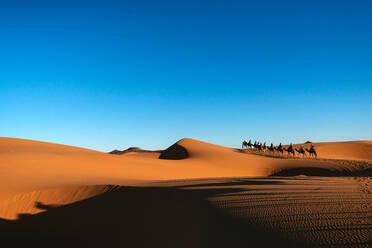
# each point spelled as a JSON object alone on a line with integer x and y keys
{"x": 27, "y": 165}
{"x": 49, "y": 192}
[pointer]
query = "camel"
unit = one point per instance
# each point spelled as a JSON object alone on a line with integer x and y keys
{"x": 259, "y": 147}
{"x": 271, "y": 148}
{"x": 279, "y": 149}
{"x": 250, "y": 144}
{"x": 301, "y": 151}
{"x": 246, "y": 144}
{"x": 290, "y": 150}
{"x": 264, "y": 147}
{"x": 312, "y": 152}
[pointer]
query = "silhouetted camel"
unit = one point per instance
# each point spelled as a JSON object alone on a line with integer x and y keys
{"x": 312, "y": 151}
{"x": 264, "y": 147}
{"x": 271, "y": 148}
{"x": 290, "y": 150}
{"x": 301, "y": 151}
{"x": 250, "y": 144}
{"x": 244, "y": 144}
{"x": 259, "y": 147}
{"x": 279, "y": 149}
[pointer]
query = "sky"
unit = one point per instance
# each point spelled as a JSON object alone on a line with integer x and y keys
{"x": 109, "y": 75}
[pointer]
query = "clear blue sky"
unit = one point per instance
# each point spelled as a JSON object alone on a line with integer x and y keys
{"x": 114, "y": 74}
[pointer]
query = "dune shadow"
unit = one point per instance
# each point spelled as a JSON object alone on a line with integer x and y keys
{"x": 42, "y": 206}
{"x": 139, "y": 217}
{"x": 174, "y": 152}
{"x": 322, "y": 172}
{"x": 308, "y": 171}
{"x": 233, "y": 183}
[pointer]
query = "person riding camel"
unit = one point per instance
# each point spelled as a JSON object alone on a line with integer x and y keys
{"x": 290, "y": 147}
{"x": 312, "y": 147}
{"x": 312, "y": 151}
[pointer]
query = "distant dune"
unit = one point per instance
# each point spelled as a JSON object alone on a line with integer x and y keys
{"x": 37, "y": 177}
{"x": 132, "y": 149}
{"x": 352, "y": 150}
{"x": 28, "y": 165}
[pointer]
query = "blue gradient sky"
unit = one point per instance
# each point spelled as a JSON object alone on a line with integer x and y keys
{"x": 113, "y": 74}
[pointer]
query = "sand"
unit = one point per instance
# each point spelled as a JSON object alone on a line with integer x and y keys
{"x": 197, "y": 195}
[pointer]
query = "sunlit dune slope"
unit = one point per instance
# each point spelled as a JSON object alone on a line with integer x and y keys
{"x": 41, "y": 200}
{"x": 354, "y": 150}
{"x": 38, "y": 177}
{"x": 265, "y": 166}
{"x": 27, "y": 165}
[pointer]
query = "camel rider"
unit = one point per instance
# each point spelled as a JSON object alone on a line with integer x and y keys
{"x": 312, "y": 148}
{"x": 301, "y": 149}
{"x": 290, "y": 147}
{"x": 244, "y": 143}
{"x": 280, "y": 145}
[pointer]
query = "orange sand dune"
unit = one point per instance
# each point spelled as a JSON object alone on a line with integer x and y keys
{"x": 224, "y": 212}
{"x": 27, "y": 165}
{"x": 42, "y": 200}
{"x": 50, "y": 186}
{"x": 355, "y": 150}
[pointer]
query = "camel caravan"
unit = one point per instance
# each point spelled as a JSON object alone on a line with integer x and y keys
{"x": 279, "y": 150}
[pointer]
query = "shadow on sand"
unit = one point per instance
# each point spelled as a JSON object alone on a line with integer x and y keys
{"x": 139, "y": 217}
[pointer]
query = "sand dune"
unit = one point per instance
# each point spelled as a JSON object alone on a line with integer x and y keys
{"x": 352, "y": 150}
{"x": 27, "y": 165}
{"x": 226, "y": 212}
{"x": 42, "y": 200}
{"x": 133, "y": 150}
{"x": 45, "y": 187}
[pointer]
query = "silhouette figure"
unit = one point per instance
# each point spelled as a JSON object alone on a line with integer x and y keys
{"x": 301, "y": 151}
{"x": 250, "y": 144}
{"x": 259, "y": 147}
{"x": 312, "y": 151}
{"x": 264, "y": 147}
{"x": 279, "y": 149}
{"x": 290, "y": 150}
{"x": 246, "y": 144}
{"x": 271, "y": 148}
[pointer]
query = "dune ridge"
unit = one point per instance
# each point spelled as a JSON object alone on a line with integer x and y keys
{"x": 45, "y": 187}
{"x": 39, "y": 165}
{"x": 132, "y": 149}
{"x": 32, "y": 166}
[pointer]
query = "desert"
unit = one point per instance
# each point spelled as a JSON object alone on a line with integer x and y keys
{"x": 192, "y": 194}
{"x": 187, "y": 123}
